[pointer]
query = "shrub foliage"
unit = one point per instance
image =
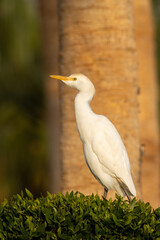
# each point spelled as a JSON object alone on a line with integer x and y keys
{"x": 75, "y": 216}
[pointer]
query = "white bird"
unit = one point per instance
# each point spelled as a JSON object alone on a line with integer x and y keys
{"x": 104, "y": 151}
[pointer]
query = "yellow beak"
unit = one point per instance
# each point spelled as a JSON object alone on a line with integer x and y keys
{"x": 63, "y": 78}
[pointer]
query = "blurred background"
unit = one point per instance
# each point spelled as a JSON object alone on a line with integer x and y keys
{"x": 23, "y": 154}
{"x": 23, "y": 136}
{"x": 156, "y": 14}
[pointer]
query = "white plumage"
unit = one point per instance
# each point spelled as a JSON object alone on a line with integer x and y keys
{"x": 104, "y": 151}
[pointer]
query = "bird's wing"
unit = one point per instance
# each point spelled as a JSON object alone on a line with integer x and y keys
{"x": 111, "y": 152}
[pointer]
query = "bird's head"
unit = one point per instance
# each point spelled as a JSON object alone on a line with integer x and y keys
{"x": 78, "y": 81}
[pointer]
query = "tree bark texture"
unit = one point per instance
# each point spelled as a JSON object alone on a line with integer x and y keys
{"x": 148, "y": 117}
{"x": 49, "y": 24}
{"x": 97, "y": 39}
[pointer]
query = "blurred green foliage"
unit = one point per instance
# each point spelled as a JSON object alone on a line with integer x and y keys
{"x": 156, "y": 11}
{"x": 22, "y": 124}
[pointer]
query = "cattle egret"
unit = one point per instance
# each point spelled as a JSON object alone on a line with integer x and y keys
{"x": 104, "y": 151}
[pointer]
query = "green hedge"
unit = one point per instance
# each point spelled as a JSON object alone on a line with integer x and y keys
{"x": 75, "y": 216}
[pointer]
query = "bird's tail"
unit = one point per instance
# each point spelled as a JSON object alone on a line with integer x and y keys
{"x": 125, "y": 189}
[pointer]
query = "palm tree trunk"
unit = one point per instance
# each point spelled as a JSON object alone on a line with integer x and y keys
{"x": 97, "y": 39}
{"x": 149, "y": 133}
{"x": 49, "y": 21}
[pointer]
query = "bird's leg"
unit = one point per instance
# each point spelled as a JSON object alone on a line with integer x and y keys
{"x": 105, "y": 192}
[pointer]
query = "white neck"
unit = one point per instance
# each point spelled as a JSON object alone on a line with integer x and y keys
{"x": 84, "y": 114}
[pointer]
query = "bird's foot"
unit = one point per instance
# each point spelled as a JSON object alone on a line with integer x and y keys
{"x": 105, "y": 192}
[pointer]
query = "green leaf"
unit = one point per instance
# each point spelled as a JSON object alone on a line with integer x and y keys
{"x": 29, "y": 223}
{"x": 158, "y": 229}
{"x": 1, "y": 225}
{"x": 59, "y": 231}
{"x": 129, "y": 220}
{"x": 2, "y": 237}
{"x": 40, "y": 231}
{"x": 97, "y": 229}
{"x": 29, "y": 194}
{"x": 41, "y": 228}
{"x": 117, "y": 221}
{"x": 48, "y": 214}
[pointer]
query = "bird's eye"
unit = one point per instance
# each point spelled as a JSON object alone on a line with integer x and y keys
{"x": 75, "y": 78}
